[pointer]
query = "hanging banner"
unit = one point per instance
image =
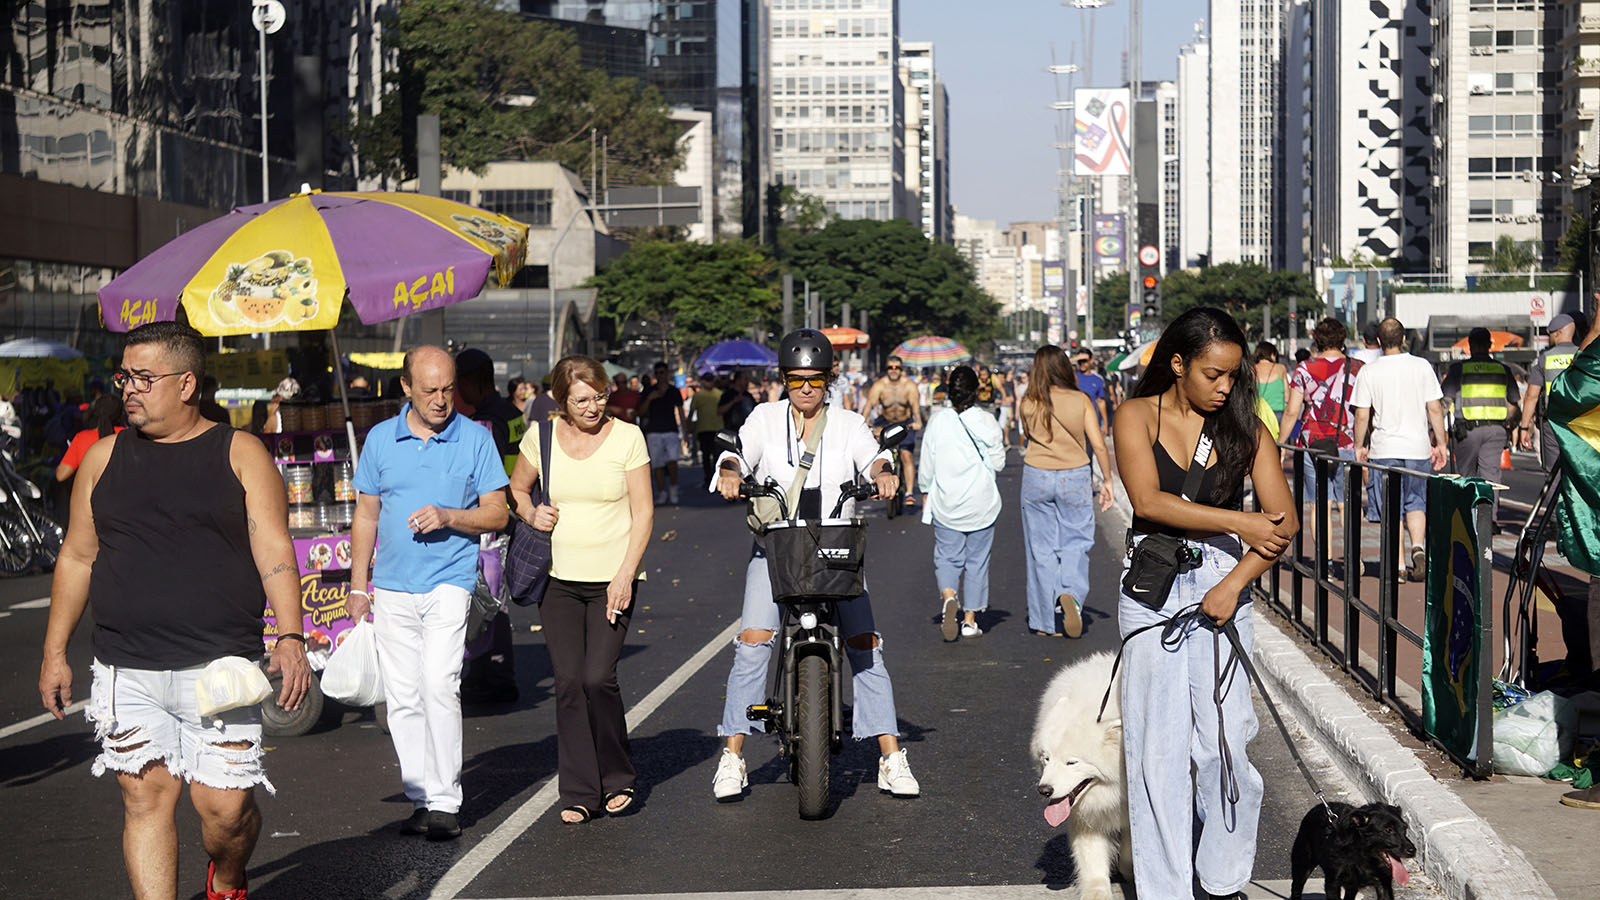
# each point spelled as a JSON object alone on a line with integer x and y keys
{"x": 1102, "y": 131}
{"x": 1109, "y": 246}
{"x": 1054, "y": 274}
{"x": 1454, "y": 628}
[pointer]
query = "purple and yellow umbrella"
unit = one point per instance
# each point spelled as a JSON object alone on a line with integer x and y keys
{"x": 289, "y": 265}
{"x": 931, "y": 350}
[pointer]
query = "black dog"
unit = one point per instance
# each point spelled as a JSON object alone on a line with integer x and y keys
{"x": 1361, "y": 847}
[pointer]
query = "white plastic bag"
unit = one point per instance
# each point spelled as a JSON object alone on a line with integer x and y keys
{"x": 1534, "y": 735}
{"x": 352, "y": 675}
{"x": 229, "y": 683}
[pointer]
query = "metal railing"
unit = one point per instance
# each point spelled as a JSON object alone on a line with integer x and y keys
{"x": 1324, "y": 602}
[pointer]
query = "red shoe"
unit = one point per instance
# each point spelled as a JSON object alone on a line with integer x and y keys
{"x": 237, "y": 893}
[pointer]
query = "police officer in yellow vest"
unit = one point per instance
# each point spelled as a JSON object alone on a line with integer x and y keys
{"x": 1484, "y": 393}
{"x": 1545, "y": 369}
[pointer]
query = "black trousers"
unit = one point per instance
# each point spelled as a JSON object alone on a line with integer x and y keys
{"x": 708, "y": 451}
{"x": 593, "y": 757}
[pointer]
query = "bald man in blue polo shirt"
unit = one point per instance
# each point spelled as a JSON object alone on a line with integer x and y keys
{"x": 428, "y": 483}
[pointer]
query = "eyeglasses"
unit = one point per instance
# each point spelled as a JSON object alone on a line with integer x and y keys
{"x": 796, "y": 382}
{"x": 594, "y": 400}
{"x": 141, "y": 382}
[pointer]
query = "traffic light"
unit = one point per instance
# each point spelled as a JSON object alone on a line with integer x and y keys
{"x": 1152, "y": 299}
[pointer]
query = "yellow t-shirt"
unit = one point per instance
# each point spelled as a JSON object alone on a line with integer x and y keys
{"x": 592, "y": 494}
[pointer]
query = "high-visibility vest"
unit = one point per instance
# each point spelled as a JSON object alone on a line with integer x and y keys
{"x": 517, "y": 428}
{"x": 1554, "y": 365}
{"x": 1481, "y": 392}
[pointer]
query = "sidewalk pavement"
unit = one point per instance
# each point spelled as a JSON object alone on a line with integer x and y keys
{"x": 1500, "y": 839}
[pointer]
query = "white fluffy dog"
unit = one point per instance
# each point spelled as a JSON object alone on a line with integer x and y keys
{"x": 1082, "y": 772}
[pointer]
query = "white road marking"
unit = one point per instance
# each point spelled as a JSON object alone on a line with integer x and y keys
{"x": 40, "y": 603}
{"x": 36, "y": 721}
{"x": 479, "y": 857}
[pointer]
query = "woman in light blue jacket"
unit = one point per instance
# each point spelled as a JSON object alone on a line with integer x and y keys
{"x": 962, "y": 449}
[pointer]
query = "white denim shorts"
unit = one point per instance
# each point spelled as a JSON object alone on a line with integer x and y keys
{"x": 663, "y": 447}
{"x": 142, "y": 716}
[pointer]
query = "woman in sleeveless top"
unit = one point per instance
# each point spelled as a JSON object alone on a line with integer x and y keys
{"x": 1198, "y": 379}
{"x": 1058, "y": 492}
{"x": 1271, "y": 377}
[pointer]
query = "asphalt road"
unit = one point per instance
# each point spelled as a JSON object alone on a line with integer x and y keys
{"x": 966, "y": 712}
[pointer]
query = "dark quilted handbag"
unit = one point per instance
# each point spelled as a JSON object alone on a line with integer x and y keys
{"x": 527, "y": 570}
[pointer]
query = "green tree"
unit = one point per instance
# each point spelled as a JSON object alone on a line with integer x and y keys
{"x": 803, "y": 214}
{"x": 1111, "y": 305}
{"x": 505, "y": 88}
{"x": 689, "y": 293}
{"x": 1242, "y": 289}
{"x": 908, "y": 285}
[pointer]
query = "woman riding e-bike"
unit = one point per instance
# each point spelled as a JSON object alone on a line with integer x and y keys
{"x": 774, "y": 445}
{"x": 1186, "y": 583}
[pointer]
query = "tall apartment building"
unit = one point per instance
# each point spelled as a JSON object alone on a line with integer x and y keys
{"x": 1246, "y": 47}
{"x": 679, "y": 47}
{"x": 1194, "y": 151}
{"x": 1580, "y": 94}
{"x": 927, "y": 138}
{"x": 1169, "y": 221}
{"x": 1497, "y": 131}
{"x": 837, "y": 106}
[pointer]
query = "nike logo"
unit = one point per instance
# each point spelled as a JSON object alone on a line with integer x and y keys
{"x": 1139, "y": 590}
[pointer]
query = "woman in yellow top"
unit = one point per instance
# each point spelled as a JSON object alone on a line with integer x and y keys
{"x": 599, "y": 513}
{"x": 1058, "y": 492}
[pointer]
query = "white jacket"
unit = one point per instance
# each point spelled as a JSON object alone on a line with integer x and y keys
{"x": 961, "y": 452}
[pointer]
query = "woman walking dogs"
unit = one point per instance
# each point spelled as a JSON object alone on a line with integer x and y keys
{"x": 780, "y": 441}
{"x": 1183, "y": 699}
{"x": 599, "y": 512}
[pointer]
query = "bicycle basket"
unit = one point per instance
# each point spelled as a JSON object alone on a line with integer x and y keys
{"x": 816, "y": 560}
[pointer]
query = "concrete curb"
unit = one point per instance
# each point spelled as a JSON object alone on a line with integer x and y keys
{"x": 1458, "y": 850}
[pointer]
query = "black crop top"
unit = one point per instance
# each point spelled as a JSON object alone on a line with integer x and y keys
{"x": 1171, "y": 477}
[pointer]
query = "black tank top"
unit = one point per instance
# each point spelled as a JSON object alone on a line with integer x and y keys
{"x": 1171, "y": 477}
{"x": 174, "y": 584}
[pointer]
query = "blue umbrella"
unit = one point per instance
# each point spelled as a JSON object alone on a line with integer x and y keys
{"x": 735, "y": 354}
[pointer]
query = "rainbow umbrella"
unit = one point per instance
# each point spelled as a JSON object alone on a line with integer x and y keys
{"x": 289, "y": 265}
{"x": 931, "y": 350}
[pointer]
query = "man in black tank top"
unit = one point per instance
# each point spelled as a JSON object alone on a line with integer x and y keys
{"x": 179, "y": 538}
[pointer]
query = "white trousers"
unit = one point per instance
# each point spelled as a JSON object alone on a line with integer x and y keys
{"x": 421, "y": 640}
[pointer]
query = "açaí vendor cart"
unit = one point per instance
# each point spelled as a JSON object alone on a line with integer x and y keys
{"x": 289, "y": 265}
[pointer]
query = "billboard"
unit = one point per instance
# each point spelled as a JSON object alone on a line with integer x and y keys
{"x": 1101, "y": 129}
{"x": 1054, "y": 273}
{"x": 1109, "y": 246}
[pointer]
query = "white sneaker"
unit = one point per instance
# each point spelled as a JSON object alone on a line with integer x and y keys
{"x": 672, "y": 495}
{"x": 661, "y": 498}
{"x": 894, "y": 775}
{"x": 731, "y": 780}
{"x": 970, "y": 629}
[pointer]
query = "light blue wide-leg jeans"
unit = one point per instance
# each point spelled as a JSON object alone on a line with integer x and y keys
{"x": 956, "y": 552}
{"x": 873, "y": 701}
{"x": 1169, "y": 719}
{"x": 1057, "y": 534}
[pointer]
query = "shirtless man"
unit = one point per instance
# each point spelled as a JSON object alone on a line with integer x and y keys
{"x": 894, "y": 398}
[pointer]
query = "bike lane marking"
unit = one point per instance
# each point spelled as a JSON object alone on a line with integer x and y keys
{"x": 40, "y": 603}
{"x": 40, "y": 719}
{"x": 470, "y": 866}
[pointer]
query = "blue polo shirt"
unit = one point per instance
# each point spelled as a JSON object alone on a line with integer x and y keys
{"x": 1095, "y": 387}
{"x": 450, "y": 469}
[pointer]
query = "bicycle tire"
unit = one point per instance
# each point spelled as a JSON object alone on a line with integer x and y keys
{"x": 811, "y": 742}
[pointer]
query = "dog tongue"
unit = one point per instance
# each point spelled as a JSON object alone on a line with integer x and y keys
{"x": 1398, "y": 870}
{"x": 1057, "y": 811}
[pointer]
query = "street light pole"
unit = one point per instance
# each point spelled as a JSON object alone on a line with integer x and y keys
{"x": 268, "y": 17}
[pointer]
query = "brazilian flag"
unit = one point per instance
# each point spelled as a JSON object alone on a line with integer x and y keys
{"x": 1574, "y": 410}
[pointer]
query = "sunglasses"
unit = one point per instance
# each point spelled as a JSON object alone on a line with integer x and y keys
{"x": 895, "y": 368}
{"x": 796, "y": 382}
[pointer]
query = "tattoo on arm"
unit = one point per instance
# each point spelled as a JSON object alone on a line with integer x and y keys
{"x": 278, "y": 569}
{"x": 250, "y": 523}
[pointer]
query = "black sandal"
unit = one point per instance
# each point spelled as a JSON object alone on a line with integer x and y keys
{"x": 626, "y": 794}
{"x": 580, "y": 810}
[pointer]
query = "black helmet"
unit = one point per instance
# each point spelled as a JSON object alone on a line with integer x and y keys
{"x": 806, "y": 348}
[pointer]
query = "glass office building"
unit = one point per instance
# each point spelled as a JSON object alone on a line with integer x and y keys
{"x": 680, "y": 41}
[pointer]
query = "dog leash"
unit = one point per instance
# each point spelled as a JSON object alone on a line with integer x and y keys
{"x": 1172, "y": 633}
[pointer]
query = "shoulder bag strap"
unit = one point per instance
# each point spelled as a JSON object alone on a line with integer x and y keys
{"x": 1197, "y": 465}
{"x": 969, "y": 436}
{"x": 1344, "y": 405}
{"x": 806, "y": 460}
{"x": 547, "y": 431}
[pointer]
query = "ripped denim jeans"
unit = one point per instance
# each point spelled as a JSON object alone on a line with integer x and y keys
{"x": 142, "y": 716}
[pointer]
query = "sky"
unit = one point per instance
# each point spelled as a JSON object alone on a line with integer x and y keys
{"x": 992, "y": 56}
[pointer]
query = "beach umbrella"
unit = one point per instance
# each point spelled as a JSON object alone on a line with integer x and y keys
{"x": 734, "y": 354}
{"x": 37, "y": 348}
{"x": 1498, "y": 340}
{"x": 289, "y": 265}
{"x": 1139, "y": 356}
{"x": 847, "y": 338}
{"x": 931, "y": 350}
{"x": 613, "y": 370}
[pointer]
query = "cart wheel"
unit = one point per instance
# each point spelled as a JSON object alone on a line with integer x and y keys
{"x": 381, "y": 713}
{"x": 279, "y": 722}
